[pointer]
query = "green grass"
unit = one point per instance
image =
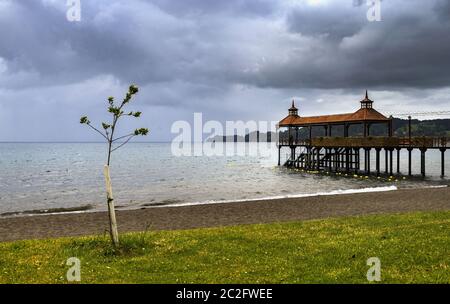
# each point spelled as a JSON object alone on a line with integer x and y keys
{"x": 413, "y": 248}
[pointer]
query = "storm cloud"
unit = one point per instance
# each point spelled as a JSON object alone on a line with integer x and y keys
{"x": 237, "y": 59}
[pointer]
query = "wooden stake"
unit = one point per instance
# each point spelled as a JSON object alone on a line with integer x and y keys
{"x": 111, "y": 211}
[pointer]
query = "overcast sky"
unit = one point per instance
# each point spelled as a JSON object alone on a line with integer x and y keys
{"x": 230, "y": 60}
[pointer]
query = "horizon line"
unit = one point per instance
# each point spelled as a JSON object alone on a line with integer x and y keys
{"x": 78, "y": 142}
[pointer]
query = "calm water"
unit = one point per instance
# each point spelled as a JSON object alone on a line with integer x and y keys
{"x": 47, "y": 176}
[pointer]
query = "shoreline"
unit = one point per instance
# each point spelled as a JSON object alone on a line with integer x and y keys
{"x": 89, "y": 208}
{"x": 226, "y": 214}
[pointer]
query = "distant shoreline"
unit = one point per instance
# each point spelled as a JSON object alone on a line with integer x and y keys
{"x": 226, "y": 214}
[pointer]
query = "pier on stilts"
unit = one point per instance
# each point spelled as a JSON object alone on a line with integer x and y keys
{"x": 343, "y": 153}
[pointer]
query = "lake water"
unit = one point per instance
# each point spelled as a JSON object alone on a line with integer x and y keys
{"x": 39, "y": 176}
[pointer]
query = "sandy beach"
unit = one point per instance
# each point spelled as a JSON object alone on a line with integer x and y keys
{"x": 215, "y": 215}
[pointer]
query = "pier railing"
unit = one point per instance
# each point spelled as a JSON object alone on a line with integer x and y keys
{"x": 372, "y": 142}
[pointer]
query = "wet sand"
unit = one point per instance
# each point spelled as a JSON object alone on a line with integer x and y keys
{"x": 215, "y": 215}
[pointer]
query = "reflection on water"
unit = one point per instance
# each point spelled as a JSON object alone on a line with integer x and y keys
{"x": 49, "y": 176}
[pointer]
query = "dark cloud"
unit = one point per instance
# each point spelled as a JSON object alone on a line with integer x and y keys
{"x": 330, "y": 23}
{"x": 442, "y": 9}
{"x": 149, "y": 41}
{"x": 220, "y": 57}
{"x": 408, "y": 48}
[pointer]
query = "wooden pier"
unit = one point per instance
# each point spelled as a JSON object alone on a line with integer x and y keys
{"x": 346, "y": 154}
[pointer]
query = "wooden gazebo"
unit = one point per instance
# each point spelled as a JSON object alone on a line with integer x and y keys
{"x": 340, "y": 152}
{"x": 365, "y": 116}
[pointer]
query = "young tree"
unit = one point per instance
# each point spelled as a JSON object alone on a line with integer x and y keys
{"x": 114, "y": 143}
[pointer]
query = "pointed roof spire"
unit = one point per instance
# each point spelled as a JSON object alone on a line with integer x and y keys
{"x": 366, "y": 102}
{"x": 293, "y": 105}
{"x": 366, "y": 97}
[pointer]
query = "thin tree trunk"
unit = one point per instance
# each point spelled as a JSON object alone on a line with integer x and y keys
{"x": 111, "y": 211}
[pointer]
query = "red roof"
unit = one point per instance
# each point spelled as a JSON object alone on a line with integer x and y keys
{"x": 359, "y": 116}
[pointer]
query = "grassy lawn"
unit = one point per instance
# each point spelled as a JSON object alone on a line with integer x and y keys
{"x": 413, "y": 248}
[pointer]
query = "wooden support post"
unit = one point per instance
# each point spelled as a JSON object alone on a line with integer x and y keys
{"x": 422, "y": 161}
{"x": 410, "y": 161}
{"x": 279, "y": 155}
{"x": 335, "y": 162}
{"x": 289, "y": 135}
{"x": 378, "y": 161}
{"x": 347, "y": 160}
{"x": 365, "y": 160}
{"x": 308, "y": 158}
{"x": 352, "y": 158}
{"x": 330, "y": 159}
{"x": 318, "y": 159}
{"x": 111, "y": 210}
{"x": 368, "y": 161}
{"x": 442, "y": 162}
{"x": 398, "y": 160}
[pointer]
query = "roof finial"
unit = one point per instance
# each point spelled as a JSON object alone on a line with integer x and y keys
{"x": 293, "y": 104}
{"x": 367, "y": 95}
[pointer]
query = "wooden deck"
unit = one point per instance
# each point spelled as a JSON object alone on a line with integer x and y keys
{"x": 344, "y": 153}
{"x": 372, "y": 142}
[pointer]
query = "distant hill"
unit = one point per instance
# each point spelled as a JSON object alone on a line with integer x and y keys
{"x": 433, "y": 127}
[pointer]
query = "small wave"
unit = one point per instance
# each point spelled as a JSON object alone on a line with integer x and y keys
{"x": 48, "y": 211}
{"x": 436, "y": 187}
{"x": 336, "y": 192}
{"x": 166, "y": 202}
